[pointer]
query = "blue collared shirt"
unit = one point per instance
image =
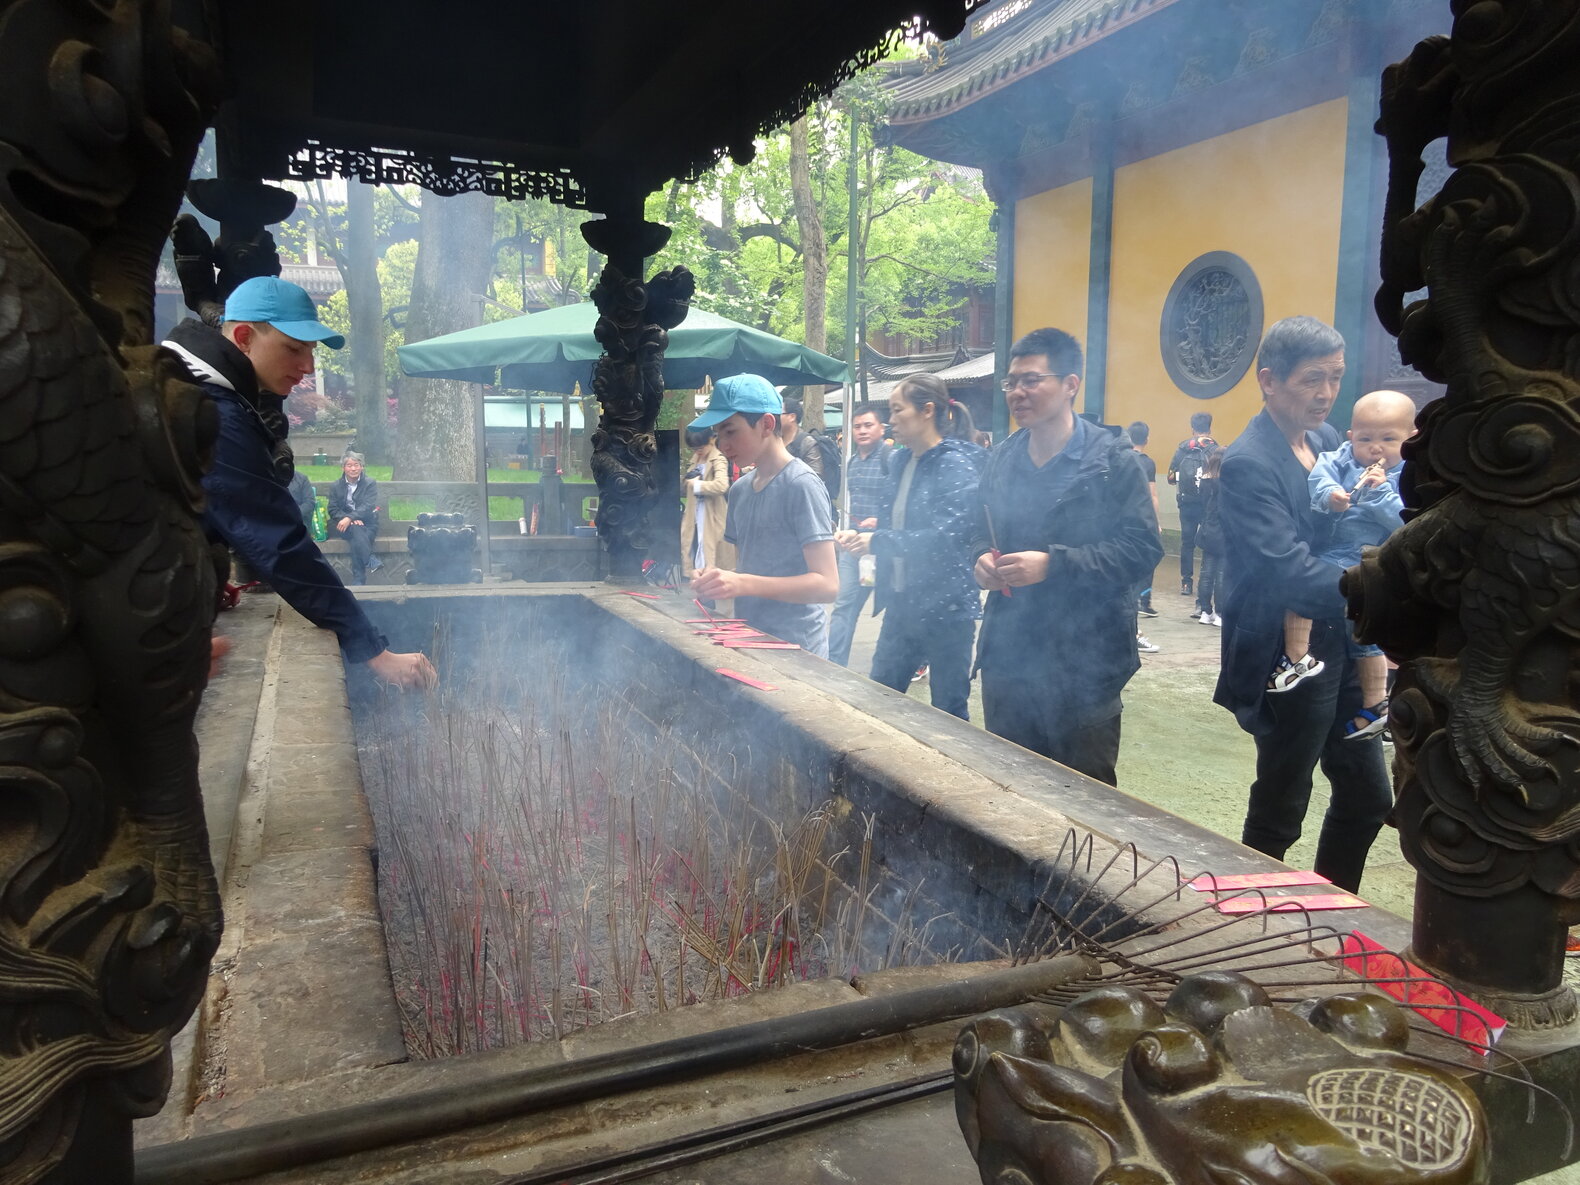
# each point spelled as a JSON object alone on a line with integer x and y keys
{"x": 868, "y": 481}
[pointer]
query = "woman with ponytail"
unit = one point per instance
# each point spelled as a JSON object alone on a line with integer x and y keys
{"x": 925, "y": 588}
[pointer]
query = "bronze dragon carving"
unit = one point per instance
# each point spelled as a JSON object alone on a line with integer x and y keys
{"x": 1216, "y": 1084}
{"x": 108, "y": 908}
{"x": 1481, "y": 588}
{"x": 634, "y": 320}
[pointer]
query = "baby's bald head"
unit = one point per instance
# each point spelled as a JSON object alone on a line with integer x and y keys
{"x": 1379, "y": 425}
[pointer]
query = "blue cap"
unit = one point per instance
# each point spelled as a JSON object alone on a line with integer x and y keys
{"x": 750, "y": 393}
{"x": 283, "y": 305}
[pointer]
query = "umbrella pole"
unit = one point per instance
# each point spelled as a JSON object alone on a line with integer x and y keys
{"x": 852, "y": 345}
{"x": 480, "y": 436}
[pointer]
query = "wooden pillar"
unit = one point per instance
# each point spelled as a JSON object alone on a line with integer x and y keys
{"x": 1100, "y": 282}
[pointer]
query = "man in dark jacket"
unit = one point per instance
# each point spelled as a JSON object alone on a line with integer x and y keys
{"x": 354, "y": 515}
{"x": 247, "y": 367}
{"x": 1068, "y": 533}
{"x": 1271, "y": 536}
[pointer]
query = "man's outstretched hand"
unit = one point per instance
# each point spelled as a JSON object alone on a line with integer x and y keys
{"x": 404, "y": 670}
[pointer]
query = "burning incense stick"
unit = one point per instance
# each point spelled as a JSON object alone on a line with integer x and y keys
{"x": 993, "y": 539}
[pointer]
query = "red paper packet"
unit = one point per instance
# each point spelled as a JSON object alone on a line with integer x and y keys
{"x": 746, "y": 679}
{"x": 1319, "y": 901}
{"x": 1209, "y": 883}
{"x": 1419, "y": 991}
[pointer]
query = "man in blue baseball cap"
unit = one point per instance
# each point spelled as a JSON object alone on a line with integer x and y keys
{"x": 247, "y": 367}
{"x": 778, "y": 518}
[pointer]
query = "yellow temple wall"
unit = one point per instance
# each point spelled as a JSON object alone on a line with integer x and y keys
{"x": 1271, "y": 193}
{"x": 1053, "y": 254}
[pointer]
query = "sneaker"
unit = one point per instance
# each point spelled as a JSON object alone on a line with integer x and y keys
{"x": 1572, "y": 945}
{"x": 921, "y": 674}
{"x": 1204, "y": 617}
{"x": 1185, "y": 588}
{"x": 1145, "y": 609}
{"x": 1217, "y": 621}
{"x": 1288, "y": 674}
{"x": 1145, "y": 645}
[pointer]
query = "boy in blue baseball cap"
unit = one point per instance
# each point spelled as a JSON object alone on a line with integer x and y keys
{"x": 778, "y": 518}
{"x": 247, "y": 367}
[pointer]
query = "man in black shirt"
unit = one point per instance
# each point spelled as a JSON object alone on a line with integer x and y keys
{"x": 1067, "y": 535}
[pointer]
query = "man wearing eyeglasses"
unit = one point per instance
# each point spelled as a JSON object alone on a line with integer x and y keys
{"x": 1068, "y": 531}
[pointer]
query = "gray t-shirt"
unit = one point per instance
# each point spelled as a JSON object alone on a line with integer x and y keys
{"x": 769, "y": 527}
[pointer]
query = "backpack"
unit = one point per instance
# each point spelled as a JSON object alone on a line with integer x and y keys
{"x": 1191, "y": 465}
{"x": 828, "y": 451}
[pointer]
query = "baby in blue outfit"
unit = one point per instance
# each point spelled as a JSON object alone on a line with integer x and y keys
{"x": 1358, "y": 482}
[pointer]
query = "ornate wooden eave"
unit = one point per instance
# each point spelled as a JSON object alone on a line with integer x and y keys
{"x": 988, "y": 57}
{"x": 1050, "y": 72}
{"x": 591, "y": 105}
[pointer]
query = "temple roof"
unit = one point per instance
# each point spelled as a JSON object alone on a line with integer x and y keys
{"x": 1005, "y": 42}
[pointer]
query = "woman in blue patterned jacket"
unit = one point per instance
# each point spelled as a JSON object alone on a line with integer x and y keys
{"x": 925, "y": 589}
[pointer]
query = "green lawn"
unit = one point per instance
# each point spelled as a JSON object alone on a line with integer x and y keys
{"x": 499, "y": 509}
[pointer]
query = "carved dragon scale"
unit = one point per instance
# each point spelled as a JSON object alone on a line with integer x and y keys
{"x": 1479, "y": 594}
{"x": 108, "y": 907}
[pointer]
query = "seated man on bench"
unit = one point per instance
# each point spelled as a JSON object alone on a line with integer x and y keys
{"x": 354, "y": 515}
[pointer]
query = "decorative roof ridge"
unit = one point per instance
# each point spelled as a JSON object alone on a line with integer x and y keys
{"x": 1058, "y": 32}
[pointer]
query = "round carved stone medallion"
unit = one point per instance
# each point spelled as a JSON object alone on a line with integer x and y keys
{"x": 1212, "y": 324}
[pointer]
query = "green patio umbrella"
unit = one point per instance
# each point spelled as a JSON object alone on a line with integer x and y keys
{"x": 555, "y": 349}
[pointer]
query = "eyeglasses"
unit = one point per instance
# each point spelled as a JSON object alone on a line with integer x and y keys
{"x": 1026, "y": 380}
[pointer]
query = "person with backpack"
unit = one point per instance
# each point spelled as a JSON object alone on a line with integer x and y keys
{"x": 1209, "y": 589}
{"x": 1185, "y": 476}
{"x": 818, "y": 452}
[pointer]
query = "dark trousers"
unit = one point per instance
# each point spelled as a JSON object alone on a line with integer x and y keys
{"x": 1209, "y": 589}
{"x": 1190, "y": 522}
{"x": 903, "y": 646}
{"x": 361, "y": 541}
{"x": 1308, "y": 729}
{"x": 1025, "y": 714}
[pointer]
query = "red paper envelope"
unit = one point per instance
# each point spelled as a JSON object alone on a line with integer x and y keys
{"x": 746, "y": 679}
{"x": 747, "y": 644}
{"x": 1419, "y": 991}
{"x": 1208, "y": 883}
{"x": 1255, "y": 904}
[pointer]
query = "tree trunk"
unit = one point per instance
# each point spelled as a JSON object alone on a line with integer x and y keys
{"x": 454, "y": 258}
{"x": 814, "y": 261}
{"x": 367, "y": 323}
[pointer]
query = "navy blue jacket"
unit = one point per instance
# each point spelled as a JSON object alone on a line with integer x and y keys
{"x": 248, "y": 506}
{"x": 1074, "y": 634}
{"x": 1271, "y": 539}
{"x": 364, "y": 506}
{"x": 940, "y": 517}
